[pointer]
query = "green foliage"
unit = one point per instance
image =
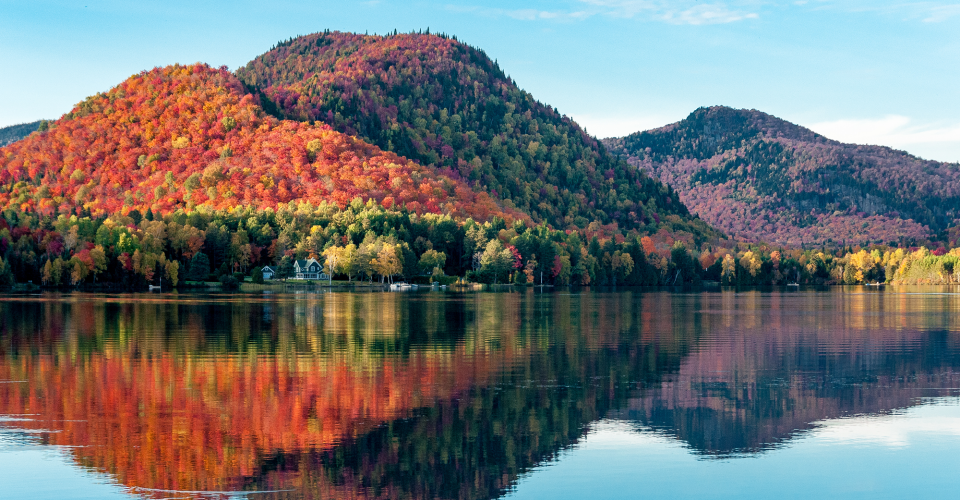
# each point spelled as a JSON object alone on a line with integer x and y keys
{"x": 448, "y": 105}
{"x": 229, "y": 282}
{"x": 688, "y": 268}
{"x": 199, "y": 267}
{"x": 284, "y": 268}
{"x": 432, "y": 259}
{"x": 13, "y": 133}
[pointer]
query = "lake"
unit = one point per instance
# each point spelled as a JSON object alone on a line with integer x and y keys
{"x": 837, "y": 393}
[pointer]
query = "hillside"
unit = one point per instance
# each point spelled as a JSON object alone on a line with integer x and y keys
{"x": 191, "y": 136}
{"x": 13, "y": 133}
{"x": 447, "y": 105}
{"x": 758, "y": 177}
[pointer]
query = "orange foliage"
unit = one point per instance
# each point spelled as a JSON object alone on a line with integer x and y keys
{"x": 210, "y": 421}
{"x": 191, "y": 136}
{"x": 648, "y": 246}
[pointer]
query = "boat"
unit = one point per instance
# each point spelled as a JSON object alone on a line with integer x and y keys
{"x": 793, "y": 284}
{"x": 399, "y": 287}
{"x": 155, "y": 288}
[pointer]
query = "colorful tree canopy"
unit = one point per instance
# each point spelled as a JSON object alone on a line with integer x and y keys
{"x": 758, "y": 177}
{"x": 191, "y": 136}
{"x": 445, "y": 104}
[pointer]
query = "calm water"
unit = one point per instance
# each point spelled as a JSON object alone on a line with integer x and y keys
{"x": 849, "y": 393}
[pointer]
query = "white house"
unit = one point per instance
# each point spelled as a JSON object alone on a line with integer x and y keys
{"x": 308, "y": 269}
{"x": 268, "y": 272}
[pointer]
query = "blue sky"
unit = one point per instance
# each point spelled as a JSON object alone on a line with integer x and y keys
{"x": 878, "y": 72}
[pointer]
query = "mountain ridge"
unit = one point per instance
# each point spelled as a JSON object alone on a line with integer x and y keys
{"x": 191, "y": 137}
{"x": 443, "y": 103}
{"x": 171, "y": 138}
{"x": 761, "y": 178}
{"x": 14, "y": 133}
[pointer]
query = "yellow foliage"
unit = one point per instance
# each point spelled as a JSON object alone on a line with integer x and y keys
{"x": 751, "y": 263}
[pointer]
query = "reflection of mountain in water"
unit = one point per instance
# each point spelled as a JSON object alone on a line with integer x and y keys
{"x": 770, "y": 374}
{"x": 452, "y": 396}
{"x": 337, "y": 395}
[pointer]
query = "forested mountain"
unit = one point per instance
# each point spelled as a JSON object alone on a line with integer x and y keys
{"x": 191, "y": 136}
{"x": 445, "y": 104}
{"x": 13, "y": 133}
{"x": 758, "y": 177}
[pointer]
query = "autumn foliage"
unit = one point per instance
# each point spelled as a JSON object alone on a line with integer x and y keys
{"x": 760, "y": 178}
{"x": 440, "y": 102}
{"x": 191, "y": 136}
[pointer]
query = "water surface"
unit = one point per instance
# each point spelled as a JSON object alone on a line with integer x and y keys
{"x": 846, "y": 393}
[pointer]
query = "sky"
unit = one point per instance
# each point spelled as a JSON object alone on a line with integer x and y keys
{"x": 868, "y": 72}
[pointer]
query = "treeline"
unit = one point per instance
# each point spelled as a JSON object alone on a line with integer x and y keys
{"x": 365, "y": 241}
{"x": 758, "y": 265}
{"x": 13, "y": 133}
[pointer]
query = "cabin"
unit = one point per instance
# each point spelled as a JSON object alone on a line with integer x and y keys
{"x": 268, "y": 272}
{"x": 308, "y": 269}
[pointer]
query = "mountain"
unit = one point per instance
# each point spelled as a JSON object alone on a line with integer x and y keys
{"x": 192, "y": 136}
{"x": 445, "y": 104}
{"x": 13, "y": 133}
{"x": 758, "y": 177}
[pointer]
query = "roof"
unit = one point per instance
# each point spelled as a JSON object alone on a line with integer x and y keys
{"x": 304, "y": 263}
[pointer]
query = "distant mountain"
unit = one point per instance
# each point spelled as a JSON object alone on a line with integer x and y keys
{"x": 758, "y": 177}
{"x": 445, "y": 104}
{"x": 13, "y": 133}
{"x": 190, "y": 137}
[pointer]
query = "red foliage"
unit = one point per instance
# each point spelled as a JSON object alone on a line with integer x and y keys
{"x": 759, "y": 178}
{"x": 190, "y": 136}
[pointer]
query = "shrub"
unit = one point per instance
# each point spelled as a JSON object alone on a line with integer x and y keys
{"x": 228, "y": 282}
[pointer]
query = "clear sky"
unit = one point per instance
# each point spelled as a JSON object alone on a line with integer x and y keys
{"x": 879, "y": 72}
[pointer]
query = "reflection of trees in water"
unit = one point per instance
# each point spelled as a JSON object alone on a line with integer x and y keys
{"x": 390, "y": 395}
{"x": 406, "y": 394}
{"x": 775, "y": 366}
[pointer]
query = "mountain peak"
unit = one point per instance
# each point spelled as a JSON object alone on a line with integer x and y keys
{"x": 447, "y": 105}
{"x": 189, "y": 137}
{"x": 761, "y": 178}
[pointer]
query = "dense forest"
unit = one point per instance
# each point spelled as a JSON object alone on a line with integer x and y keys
{"x": 363, "y": 241}
{"x": 13, "y": 133}
{"x": 186, "y": 174}
{"x": 366, "y": 242}
{"x": 190, "y": 137}
{"x": 760, "y": 178}
{"x": 442, "y": 103}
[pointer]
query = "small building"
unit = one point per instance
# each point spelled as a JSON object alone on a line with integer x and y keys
{"x": 268, "y": 272}
{"x": 307, "y": 269}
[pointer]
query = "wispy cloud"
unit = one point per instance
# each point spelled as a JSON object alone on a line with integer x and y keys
{"x": 942, "y": 13}
{"x": 688, "y": 12}
{"x": 727, "y": 11}
{"x": 708, "y": 14}
{"x": 892, "y": 431}
{"x": 521, "y": 14}
{"x": 675, "y": 12}
{"x": 893, "y": 130}
{"x": 929, "y": 11}
{"x": 695, "y": 13}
